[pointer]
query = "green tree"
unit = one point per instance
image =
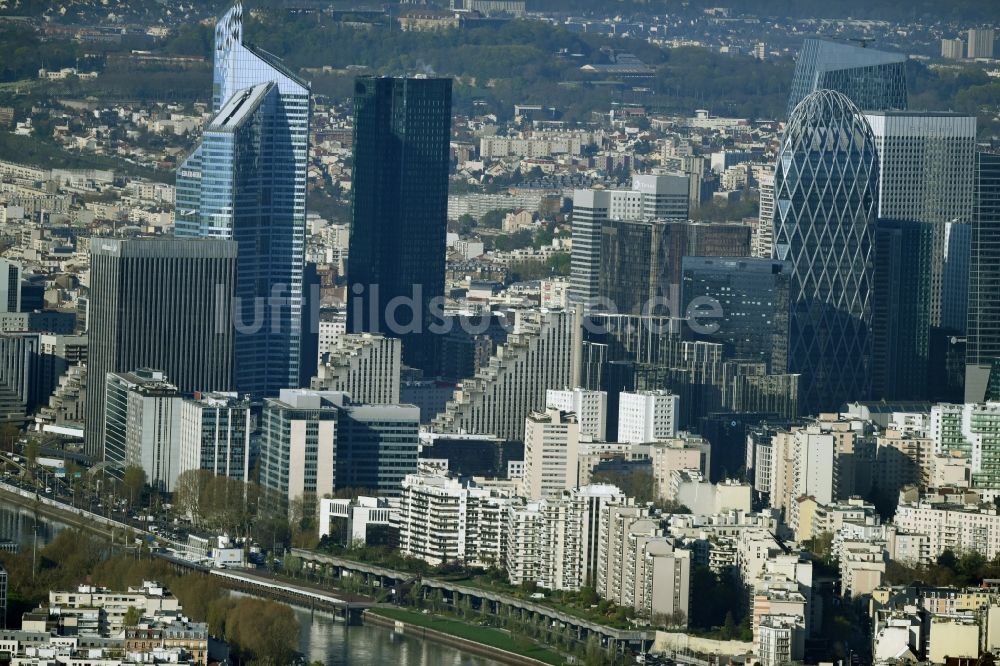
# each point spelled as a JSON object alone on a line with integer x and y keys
{"x": 133, "y": 483}
{"x": 132, "y": 616}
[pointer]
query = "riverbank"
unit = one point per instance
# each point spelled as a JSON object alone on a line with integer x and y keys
{"x": 482, "y": 641}
{"x": 66, "y": 516}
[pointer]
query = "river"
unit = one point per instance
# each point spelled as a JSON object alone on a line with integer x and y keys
{"x": 321, "y": 638}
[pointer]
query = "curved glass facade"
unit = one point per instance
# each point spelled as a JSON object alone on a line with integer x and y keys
{"x": 246, "y": 181}
{"x": 873, "y": 80}
{"x": 826, "y": 188}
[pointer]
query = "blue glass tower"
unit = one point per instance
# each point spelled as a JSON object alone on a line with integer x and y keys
{"x": 246, "y": 181}
{"x": 826, "y": 189}
{"x": 873, "y": 80}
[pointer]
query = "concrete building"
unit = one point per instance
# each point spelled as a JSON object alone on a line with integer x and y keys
{"x": 215, "y": 435}
{"x": 551, "y": 452}
{"x": 647, "y": 416}
{"x": 590, "y": 407}
{"x": 782, "y": 640}
{"x": 348, "y": 521}
{"x": 365, "y": 366}
{"x": 952, "y": 526}
{"x": 540, "y": 354}
{"x": 981, "y": 42}
{"x": 952, "y": 49}
{"x": 141, "y": 426}
{"x": 443, "y": 519}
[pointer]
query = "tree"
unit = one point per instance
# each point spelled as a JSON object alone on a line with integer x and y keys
{"x": 729, "y": 626}
{"x": 132, "y": 616}
{"x": 133, "y": 483}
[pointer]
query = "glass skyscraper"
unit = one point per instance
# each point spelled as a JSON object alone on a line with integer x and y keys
{"x": 246, "y": 181}
{"x": 983, "y": 335}
{"x": 402, "y": 132}
{"x": 873, "y": 80}
{"x": 926, "y": 165}
{"x": 826, "y": 189}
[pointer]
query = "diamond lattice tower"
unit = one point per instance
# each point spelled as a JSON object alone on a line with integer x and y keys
{"x": 826, "y": 187}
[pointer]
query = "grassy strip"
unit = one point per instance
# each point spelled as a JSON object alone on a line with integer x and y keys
{"x": 483, "y": 635}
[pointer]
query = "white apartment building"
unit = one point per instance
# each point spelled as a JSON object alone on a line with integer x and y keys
{"x": 955, "y": 527}
{"x": 688, "y": 452}
{"x": 762, "y": 240}
{"x": 365, "y": 366}
{"x": 647, "y": 416}
{"x": 569, "y": 537}
{"x": 639, "y": 567}
{"x": 522, "y": 555}
{"x": 551, "y": 453}
{"x": 590, "y": 407}
{"x": 443, "y": 519}
{"x": 782, "y": 640}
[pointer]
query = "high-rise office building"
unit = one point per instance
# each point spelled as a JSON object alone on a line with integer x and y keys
{"x": 163, "y": 304}
{"x": 246, "y": 181}
{"x": 317, "y": 441}
{"x": 590, "y": 407}
{"x": 981, "y": 41}
{"x": 647, "y": 416}
{"x": 871, "y": 79}
{"x": 826, "y": 190}
{"x": 402, "y": 129}
{"x": 10, "y": 286}
{"x": 901, "y": 309}
{"x": 752, "y": 316}
{"x": 215, "y": 431}
{"x": 641, "y": 260}
{"x": 762, "y": 243}
{"x": 952, "y": 49}
{"x": 651, "y": 197}
{"x": 141, "y": 426}
{"x": 926, "y": 163}
{"x": 983, "y": 335}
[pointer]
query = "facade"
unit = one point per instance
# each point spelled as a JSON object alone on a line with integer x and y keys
{"x": 156, "y": 303}
{"x": 926, "y": 166}
{"x": 638, "y": 566}
{"x": 981, "y": 42}
{"x": 551, "y": 453}
{"x": 10, "y": 286}
{"x": 753, "y": 295}
{"x": 871, "y": 79}
{"x": 952, "y": 49}
{"x": 647, "y": 416}
{"x": 901, "y": 306}
{"x": 377, "y": 446}
{"x": 651, "y": 197}
{"x": 829, "y": 242}
{"x": 444, "y": 520}
{"x": 402, "y": 129}
{"x": 763, "y": 238}
{"x": 590, "y": 407}
{"x": 641, "y": 260}
{"x": 298, "y": 454}
{"x": 246, "y": 182}
{"x": 215, "y": 431}
{"x": 363, "y": 365}
{"x": 540, "y": 354}
{"x": 983, "y": 334}
{"x": 141, "y": 426}
{"x": 951, "y": 526}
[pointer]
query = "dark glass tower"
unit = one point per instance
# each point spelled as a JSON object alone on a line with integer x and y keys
{"x": 826, "y": 191}
{"x": 901, "y": 304}
{"x": 873, "y": 80}
{"x": 752, "y": 295}
{"x": 983, "y": 338}
{"x": 402, "y": 130}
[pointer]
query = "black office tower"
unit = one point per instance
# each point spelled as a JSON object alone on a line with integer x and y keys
{"x": 901, "y": 307}
{"x": 165, "y": 304}
{"x": 983, "y": 331}
{"x": 402, "y": 128}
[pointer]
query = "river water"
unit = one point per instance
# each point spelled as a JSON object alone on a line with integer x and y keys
{"x": 321, "y": 637}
